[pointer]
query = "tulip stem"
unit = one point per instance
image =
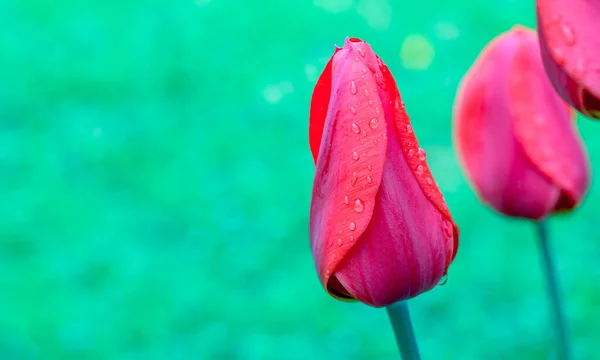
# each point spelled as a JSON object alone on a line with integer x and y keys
{"x": 405, "y": 336}
{"x": 564, "y": 351}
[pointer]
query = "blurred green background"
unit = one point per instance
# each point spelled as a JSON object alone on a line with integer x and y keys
{"x": 156, "y": 181}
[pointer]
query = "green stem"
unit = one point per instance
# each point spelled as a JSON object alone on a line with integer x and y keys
{"x": 405, "y": 336}
{"x": 564, "y": 351}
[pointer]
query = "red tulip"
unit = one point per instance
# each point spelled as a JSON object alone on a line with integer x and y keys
{"x": 515, "y": 136}
{"x": 570, "y": 44}
{"x": 380, "y": 230}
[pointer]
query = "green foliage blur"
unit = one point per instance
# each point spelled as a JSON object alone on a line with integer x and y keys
{"x": 156, "y": 180}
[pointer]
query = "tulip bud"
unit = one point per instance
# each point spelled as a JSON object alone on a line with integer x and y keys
{"x": 515, "y": 136}
{"x": 380, "y": 230}
{"x": 570, "y": 45}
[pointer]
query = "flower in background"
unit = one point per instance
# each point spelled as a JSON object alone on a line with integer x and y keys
{"x": 515, "y": 136}
{"x": 570, "y": 45}
{"x": 380, "y": 230}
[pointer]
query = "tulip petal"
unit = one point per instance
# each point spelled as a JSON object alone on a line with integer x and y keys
{"x": 349, "y": 166}
{"x": 569, "y": 41}
{"x": 415, "y": 157}
{"x": 319, "y": 105}
{"x": 544, "y": 124}
{"x": 502, "y": 173}
{"x": 411, "y": 238}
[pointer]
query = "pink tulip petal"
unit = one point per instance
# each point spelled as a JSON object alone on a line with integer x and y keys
{"x": 570, "y": 45}
{"x": 544, "y": 124}
{"x": 495, "y": 161}
{"x": 350, "y": 162}
{"x": 404, "y": 251}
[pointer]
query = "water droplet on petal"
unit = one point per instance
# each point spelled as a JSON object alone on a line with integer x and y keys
{"x": 579, "y": 70}
{"x": 375, "y": 142}
{"x": 411, "y": 152}
{"x": 568, "y": 35}
{"x": 355, "y": 156}
{"x": 366, "y": 92}
{"x": 351, "y": 238}
{"x": 428, "y": 181}
{"x": 443, "y": 280}
{"x": 359, "y": 206}
{"x": 364, "y": 133}
{"x": 371, "y": 67}
{"x": 373, "y": 123}
{"x": 352, "y": 87}
{"x": 370, "y": 102}
{"x": 409, "y": 129}
{"x": 422, "y": 154}
{"x": 559, "y": 56}
{"x": 364, "y": 70}
{"x": 353, "y": 110}
{"x": 327, "y": 272}
{"x": 355, "y": 128}
{"x": 369, "y": 179}
{"x": 420, "y": 170}
{"x": 346, "y": 200}
{"x": 352, "y": 226}
{"x": 361, "y": 52}
{"x": 354, "y": 178}
{"x": 447, "y": 227}
{"x": 340, "y": 241}
{"x": 369, "y": 167}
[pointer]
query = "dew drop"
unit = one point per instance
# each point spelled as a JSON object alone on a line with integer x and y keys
{"x": 361, "y": 52}
{"x": 352, "y": 88}
{"x": 366, "y": 92}
{"x": 420, "y": 170}
{"x": 422, "y": 154}
{"x": 354, "y": 178}
{"x": 375, "y": 142}
{"x": 359, "y": 206}
{"x": 373, "y": 123}
{"x": 353, "y": 110}
{"x": 352, "y": 226}
{"x": 364, "y": 70}
{"x": 364, "y": 133}
{"x": 351, "y": 238}
{"x": 447, "y": 227}
{"x": 409, "y": 129}
{"x": 411, "y": 152}
{"x": 355, "y": 156}
{"x": 364, "y": 154}
{"x": 568, "y": 35}
{"x": 340, "y": 241}
{"x": 559, "y": 56}
{"x": 579, "y": 70}
{"x": 355, "y": 128}
{"x": 369, "y": 167}
{"x": 428, "y": 181}
{"x": 371, "y": 67}
{"x": 369, "y": 179}
{"x": 370, "y": 102}
{"x": 443, "y": 280}
{"x": 346, "y": 200}
{"x": 327, "y": 272}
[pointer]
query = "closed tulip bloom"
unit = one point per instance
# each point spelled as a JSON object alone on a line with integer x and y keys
{"x": 515, "y": 136}
{"x": 380, "y": 230}
{"x": 570, "y": 44}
